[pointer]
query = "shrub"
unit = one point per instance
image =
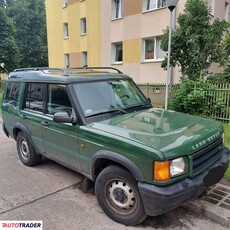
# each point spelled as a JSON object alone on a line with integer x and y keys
{"x": 189, "y": 97}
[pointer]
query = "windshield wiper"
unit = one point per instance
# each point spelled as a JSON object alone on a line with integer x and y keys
{"x": 139, "y": 105}
{"x": 107, "y": 112}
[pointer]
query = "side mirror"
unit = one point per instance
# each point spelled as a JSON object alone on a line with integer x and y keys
{"x": 63, "y": 117}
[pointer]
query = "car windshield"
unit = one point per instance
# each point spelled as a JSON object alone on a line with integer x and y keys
{"x": 108, "y": 96}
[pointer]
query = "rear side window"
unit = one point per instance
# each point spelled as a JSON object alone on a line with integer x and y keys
{"x": 35, "y": 96}
{"x": 12, "y": 93}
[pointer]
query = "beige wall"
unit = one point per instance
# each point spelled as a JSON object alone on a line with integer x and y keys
{"x": 131, "y": 29}
{"x": 219, "y": 8}
{"x": 102, "y": 31}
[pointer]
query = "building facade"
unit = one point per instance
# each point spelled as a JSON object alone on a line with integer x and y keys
{"x": 125, "y": 34}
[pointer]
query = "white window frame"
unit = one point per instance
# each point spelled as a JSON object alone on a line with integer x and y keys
{"x": 84, "y": 58}
{"x": 226, "y": 11}
{"x": 115, "y": 51}
{"x": 66, "y": 60}
{"x": 149, "y": 5}
{"x": 83, "y": 26}
{"x": 65, "y": 30}
{"x": 117, "y": 9}
{"x": 64, "y": 3}
{"x": 156, "y": 48}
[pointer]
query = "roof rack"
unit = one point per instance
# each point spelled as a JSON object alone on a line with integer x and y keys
{"x": 66, "y": 71}
{"x": 97, "y": 67}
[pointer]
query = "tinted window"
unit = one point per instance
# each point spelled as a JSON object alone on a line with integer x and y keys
{"x": 12, "y": 93}
{"x": 58, "y": 100}
{"x": 34, "y": 96}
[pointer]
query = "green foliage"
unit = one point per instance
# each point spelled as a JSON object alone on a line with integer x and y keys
{"x": 196, "y": 42}
{"x": 29, "y": 19}
{"x": 188, "y": 97}
{"x": 9, "y": 53}
{"x": 223, "y": 77}
{"x": 220, "y": 78}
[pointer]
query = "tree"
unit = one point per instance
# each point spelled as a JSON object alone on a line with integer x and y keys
{"x": 223, "y": 77}
{"x": 196, "y": 41}
{"x": 30, "y": 22}
{"x": 9, "y": 53}
{"x": 5, "y": 3}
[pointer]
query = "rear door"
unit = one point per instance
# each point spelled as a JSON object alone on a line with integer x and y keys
{"x": 60, "y": 139}
{"x": 32, "y": 112}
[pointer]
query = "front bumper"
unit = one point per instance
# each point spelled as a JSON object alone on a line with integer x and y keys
{"x": 158, "y": 200}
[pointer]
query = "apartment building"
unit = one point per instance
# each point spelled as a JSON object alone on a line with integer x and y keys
{"x": 125, "y": 34}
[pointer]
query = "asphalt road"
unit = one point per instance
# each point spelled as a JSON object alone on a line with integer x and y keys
{"x": 51, "y": 193}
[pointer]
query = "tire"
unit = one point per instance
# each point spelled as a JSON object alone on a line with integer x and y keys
{"x": 118, "y": 196}
{"x": 26, "y": 151}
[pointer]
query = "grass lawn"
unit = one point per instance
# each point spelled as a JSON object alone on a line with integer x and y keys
{"x": 227, "y": 144}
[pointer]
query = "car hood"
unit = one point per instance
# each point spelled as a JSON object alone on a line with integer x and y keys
{"x": 174, "y": 134}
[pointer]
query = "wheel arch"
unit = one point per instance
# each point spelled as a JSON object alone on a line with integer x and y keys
{"x": 102, "y": 159}
{"x": 21, "y": 128}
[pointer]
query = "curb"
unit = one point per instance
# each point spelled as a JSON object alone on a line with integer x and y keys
{"x": 206, "y": 209}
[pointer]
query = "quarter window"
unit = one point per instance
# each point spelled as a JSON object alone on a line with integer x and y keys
{"x": 35, "y": 97}
{"x": 12, "y": 93}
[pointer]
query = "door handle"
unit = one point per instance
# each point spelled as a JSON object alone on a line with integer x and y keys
{"x": 45, "y": 123}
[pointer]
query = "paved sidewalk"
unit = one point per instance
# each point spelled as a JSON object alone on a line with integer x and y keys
{"x": 214, "y": 203}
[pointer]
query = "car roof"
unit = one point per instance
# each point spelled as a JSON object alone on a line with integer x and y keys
{"x": 66, "y": 75}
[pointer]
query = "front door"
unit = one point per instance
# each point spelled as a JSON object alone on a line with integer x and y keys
{"x": 60, "y": 139}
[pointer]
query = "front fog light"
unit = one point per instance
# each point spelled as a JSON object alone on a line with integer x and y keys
{"x": 178, "y": 166}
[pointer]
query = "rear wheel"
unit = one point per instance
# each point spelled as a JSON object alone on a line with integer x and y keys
{"x": 118, "y": 195}
{"x": 26, "y": 151}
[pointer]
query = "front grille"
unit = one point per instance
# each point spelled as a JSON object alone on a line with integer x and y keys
{"x": 207, "y": 156}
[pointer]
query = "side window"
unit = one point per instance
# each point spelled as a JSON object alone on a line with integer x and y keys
{"x": 58, "y": 100}
{"x": 34, "y": 96}
{"x": 12, "y": 93}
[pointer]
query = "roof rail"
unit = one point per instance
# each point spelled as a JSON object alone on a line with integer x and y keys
{"x": 66, "y": 71}
{"x": 38, "y": 69}
{"x": 97, "y": 67}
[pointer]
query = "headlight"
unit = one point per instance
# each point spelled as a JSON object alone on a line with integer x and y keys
{"x": 178, "y": 166}
{"x": 166, "y": 170}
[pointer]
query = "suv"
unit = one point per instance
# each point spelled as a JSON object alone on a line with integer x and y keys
{"x": 142, "y": 160}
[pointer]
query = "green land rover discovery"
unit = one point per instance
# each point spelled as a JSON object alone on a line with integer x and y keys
{"x": 96, "y": 121}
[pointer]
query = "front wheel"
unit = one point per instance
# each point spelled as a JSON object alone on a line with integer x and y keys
{"x": 118, "y": 195}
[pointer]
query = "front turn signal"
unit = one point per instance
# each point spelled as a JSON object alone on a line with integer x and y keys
{"x": 162, "y": 170}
